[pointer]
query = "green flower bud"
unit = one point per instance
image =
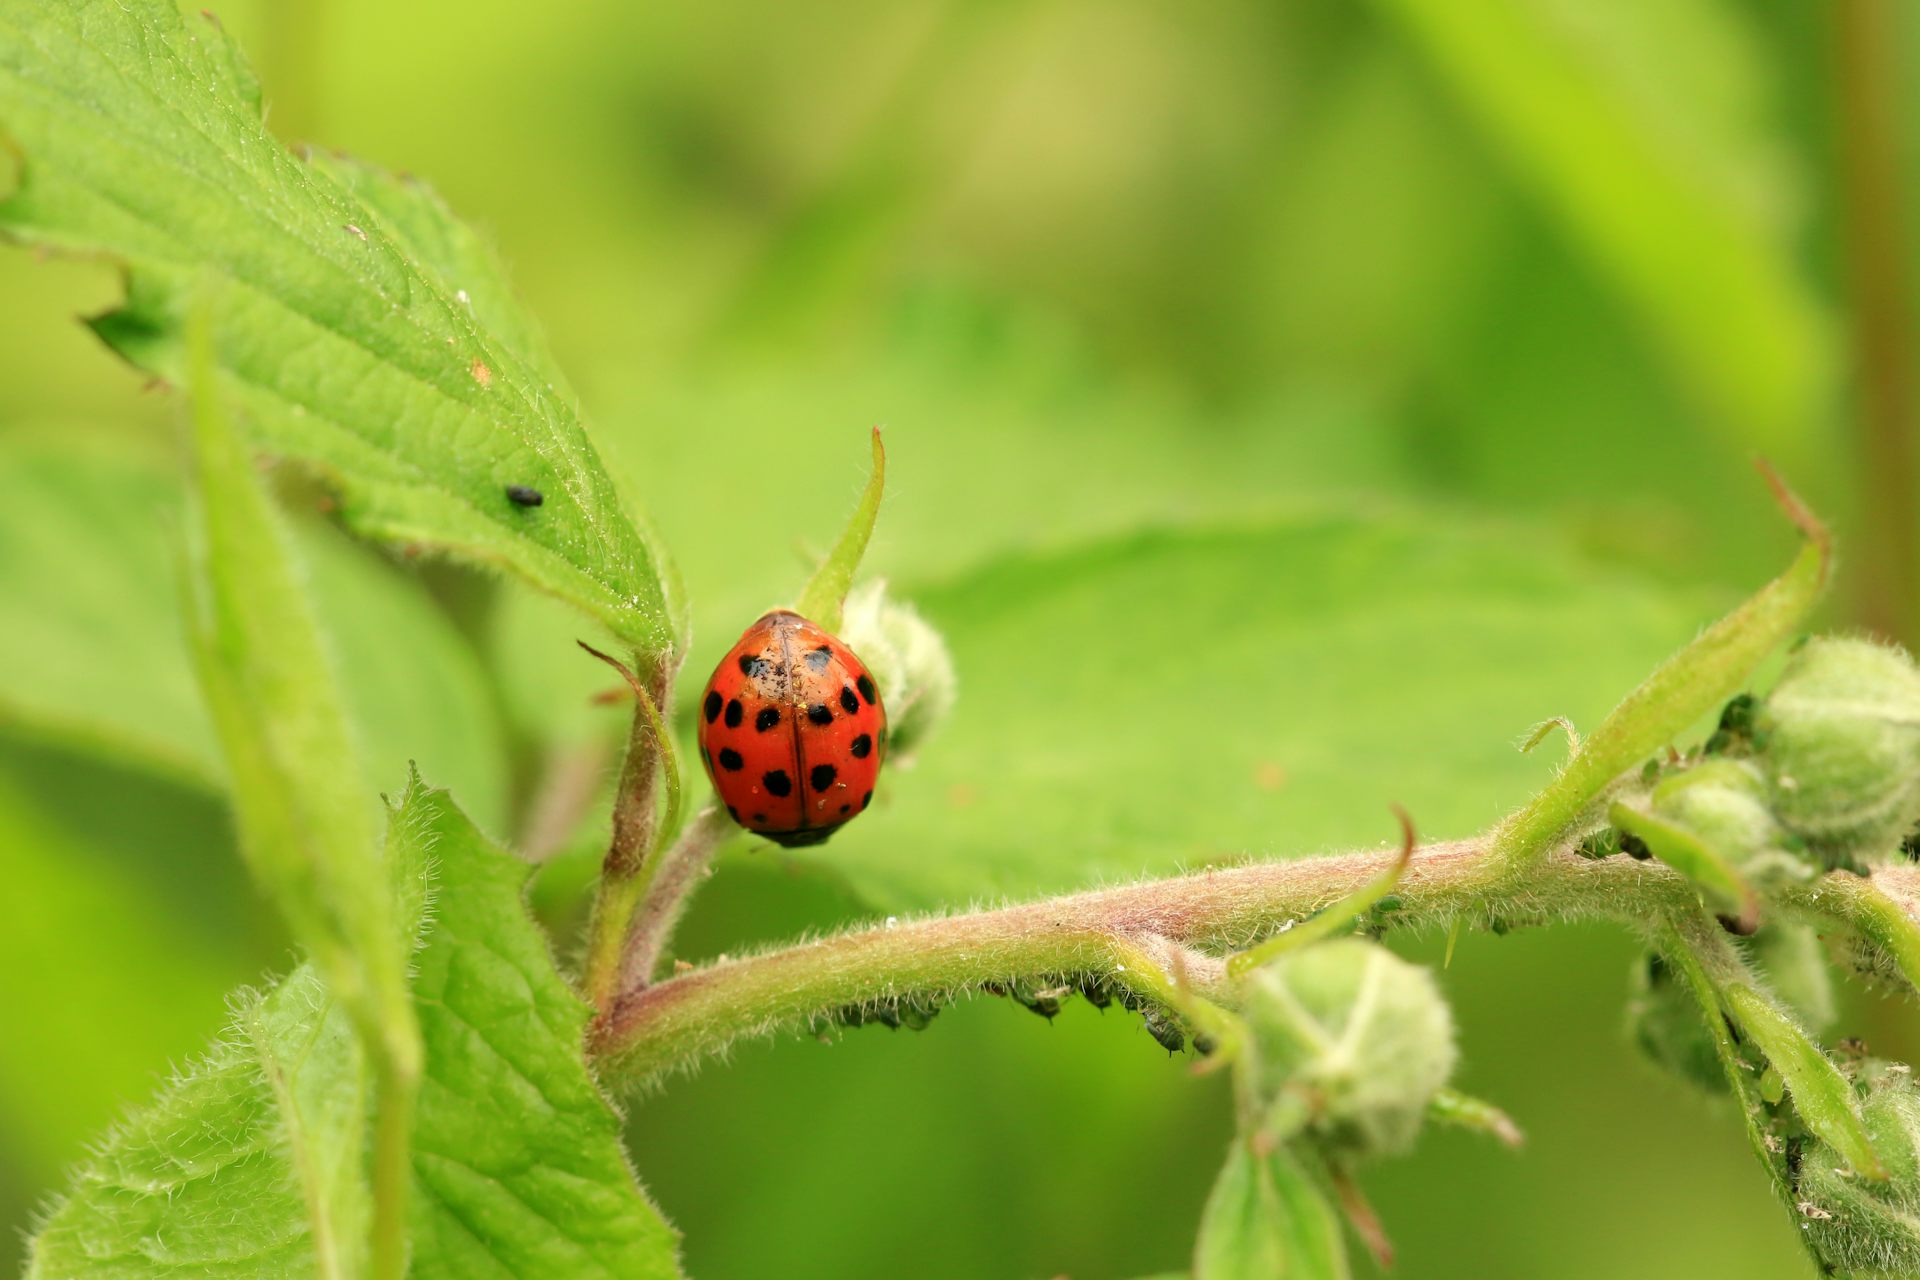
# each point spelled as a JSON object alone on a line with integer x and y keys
{"x": 1859, "y": 1226}
{"x": 909, "y": 660}
{"x": 1839, "y": 740}
{"x": 1664, "y": 1020}
{"x": 1724, "y": 803}
{"x": 1362, "y": 1035}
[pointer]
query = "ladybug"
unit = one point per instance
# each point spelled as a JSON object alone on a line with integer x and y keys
{"x": 792, "y": 731}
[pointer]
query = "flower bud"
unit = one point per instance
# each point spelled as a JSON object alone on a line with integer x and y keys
{"x": 909, "y": 660}
{"x": 1839, "y": 739}
{"x": 1362, "y": 1034}
{"x": 1856, "y": 1225}
{"x": 1664, "y": 1020}
{"x": 1724, "y": 803}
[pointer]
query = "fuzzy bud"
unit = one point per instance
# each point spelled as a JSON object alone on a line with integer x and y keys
{"x": 1839, "y": 740}
{"x": 1855, "y": 1225}
{"x": 1363, "y": 1034}
{"x": 1724, "y": 803}
{"x": 1664, "y": 1020}
{"x": 909, "y": 660}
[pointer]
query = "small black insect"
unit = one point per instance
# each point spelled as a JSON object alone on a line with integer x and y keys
{"x": 522, "y": 495}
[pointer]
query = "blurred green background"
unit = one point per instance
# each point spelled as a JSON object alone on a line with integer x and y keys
{"x": 1289, "y": 403}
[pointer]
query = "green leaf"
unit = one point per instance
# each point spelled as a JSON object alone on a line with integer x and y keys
{"x": 248, "y": 1164}
{"x": 1267, "y": 1220}
{"x": 1161, "y": 702}
{"x": 305, "y": 823}
{"x": 305, "y": 817}
{"x": 517, "y": 1155}
{"x": 826, "y": 591}
{"x": 94, "y": 653}
{"x": 1682, "y": 689}
{"x": 1822, "y": 1097}
{"x": 517, "y": 1162}
{"x": 1661, "y": 180}
{"x": 143, "y": 141}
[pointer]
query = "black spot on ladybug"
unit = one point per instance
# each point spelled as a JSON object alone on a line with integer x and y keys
{"x": 821, "y": 658}
{"x": 822, "y": 776}
{"x": 862, "y": 746}
{"x": 820, "y": 713}
{"x": 521, "y": 495}
{"x": 768, "y": 717}
{"x": 846, "y": 808}
{"x": 753, "y": 666}
{"x": 733, "y": 813}
{"x": 777, "y": 783}
{"x": 866, "y": 687}
{"x": 733, "y": 713}
{"x": 759, "y": 817}
{"x": 730, "y": 760}
{"x": 866, "y": 800}
{"x": 713, "y": 705}
{"x": 848, "y": 703}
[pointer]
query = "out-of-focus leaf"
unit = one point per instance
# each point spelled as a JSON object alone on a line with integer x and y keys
{"x": 304, "y": 814}
{"x": 94, "y": 651}
{"x": 143, "y": 141}
{"x": 517, "y": 1163}
{"x": 305, "y": 827}
{"x": 131, "y": 980}
{"x": 1661, "y": 179}
{"x": 1267, "y": 1220}
{"x": 1174, "y": 699}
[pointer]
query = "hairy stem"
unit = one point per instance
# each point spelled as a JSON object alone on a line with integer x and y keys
{"x": 653, "y": 1030}
{"x": 666, "y": 890}
{"x": 630, "y": 856}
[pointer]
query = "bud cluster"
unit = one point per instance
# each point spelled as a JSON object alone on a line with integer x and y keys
{"x": 1854, "y": 1224}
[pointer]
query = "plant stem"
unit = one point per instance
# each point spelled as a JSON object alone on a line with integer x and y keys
{"x": 1867, "y": 79}
{"x": 630, "y": 853}
{"x": 396, "y": 1085}
{"x": 664, "y": 893}
{"x": 656, "y": 1029}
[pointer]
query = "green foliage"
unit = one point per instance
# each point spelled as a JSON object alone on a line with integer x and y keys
{"x": 305, "y": 817}
{"x": 95, "y": 651}
{"x": 1667, "y": 192}
{"x": 1863, "y": 1228}
{"x": 1073, "y": 332}
{"x": 144, "y": 142}
{"x": 1665, "y": 1021}
{"x": 1821, "y": 1095}
{"x": 248, "y": 1163}
{"x": 1256, "y": 662}
{"x": 518, "y": 1163}
{"x": 822, "y": 599}
{"x": 251, "y": 1162}
{"x": 1268, "y": 1219}
{"x": 298, "y": 793}
{"x": 1687, "y": 686}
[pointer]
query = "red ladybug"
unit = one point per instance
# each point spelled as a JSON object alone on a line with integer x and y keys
{"x": 792, "y": 731}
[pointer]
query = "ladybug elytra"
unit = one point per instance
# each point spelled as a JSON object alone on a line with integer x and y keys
{"x": 792, "y": 731}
